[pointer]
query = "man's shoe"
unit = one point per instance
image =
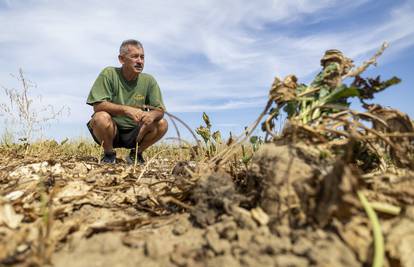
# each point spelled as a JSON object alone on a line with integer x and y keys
{"x": 130, "y": 159}
{"x": 109, "y": 157}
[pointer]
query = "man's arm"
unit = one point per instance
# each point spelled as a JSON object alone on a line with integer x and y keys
{"x": 135, "y": 114}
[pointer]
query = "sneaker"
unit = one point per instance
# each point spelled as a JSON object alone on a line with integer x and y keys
{"x": 130, "y": 159}
{"x": 109, "y": 157}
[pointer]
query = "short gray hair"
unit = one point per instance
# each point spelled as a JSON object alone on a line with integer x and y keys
{"x": 124, "y": 46}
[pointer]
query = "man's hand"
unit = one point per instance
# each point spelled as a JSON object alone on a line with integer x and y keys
{"x": 135, "y": 114}
{"x": 149, "y": 117}
{"x": 119, "y": 110}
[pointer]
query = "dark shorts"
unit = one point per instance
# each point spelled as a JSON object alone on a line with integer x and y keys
{"x": 124, "y": 137}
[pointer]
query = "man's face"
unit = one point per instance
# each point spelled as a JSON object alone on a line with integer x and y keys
{"x": 133, "y": 60}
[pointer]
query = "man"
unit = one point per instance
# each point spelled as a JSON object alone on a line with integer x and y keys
{"x": 119, "y": 98}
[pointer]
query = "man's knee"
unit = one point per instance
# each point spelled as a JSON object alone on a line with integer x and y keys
{"x": 162, "y": 126}
{"x": 102, "y": 119}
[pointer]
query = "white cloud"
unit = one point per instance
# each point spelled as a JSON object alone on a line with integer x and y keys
{"x": 179, "y": 106}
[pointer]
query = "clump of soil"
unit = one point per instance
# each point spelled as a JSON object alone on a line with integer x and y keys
{"x": 275, "y": 170}
{"x": 213, "y": 195}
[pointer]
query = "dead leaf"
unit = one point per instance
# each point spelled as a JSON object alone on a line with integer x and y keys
{"x": 260, "y": 216}
{"x": 73, "y": 190}
{"x": 14, "y": 195}
{"x": 9, "y": 217}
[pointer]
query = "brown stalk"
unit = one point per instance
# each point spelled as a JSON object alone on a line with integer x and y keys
{"x": 372, "y": 61}
{"x": 148, "y": 163}
{"x": 225, "y": 155}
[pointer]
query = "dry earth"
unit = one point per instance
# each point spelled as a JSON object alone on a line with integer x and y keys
{"x": 291, "y": 208}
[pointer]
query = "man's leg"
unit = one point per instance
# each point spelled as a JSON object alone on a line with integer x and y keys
{"x": 104, "y": 129}
{"x": 150, "y": 134}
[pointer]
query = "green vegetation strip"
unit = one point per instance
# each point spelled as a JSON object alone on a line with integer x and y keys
{"x": 376, "y": 228}
{"x": 386, "y": 208}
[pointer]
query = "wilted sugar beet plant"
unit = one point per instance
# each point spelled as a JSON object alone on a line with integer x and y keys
{"x": 327, "y": 94}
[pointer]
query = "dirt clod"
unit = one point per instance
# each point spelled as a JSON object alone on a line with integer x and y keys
{"x": 213, "y": 196}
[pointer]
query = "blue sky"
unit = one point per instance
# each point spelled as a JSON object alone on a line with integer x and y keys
{"x": 217, "y": 56}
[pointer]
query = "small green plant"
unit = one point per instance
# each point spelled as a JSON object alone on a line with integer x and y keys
{"x": 211, "y": 140}
{"x": 245, "y": 156}
{"x": 255, "y": 142}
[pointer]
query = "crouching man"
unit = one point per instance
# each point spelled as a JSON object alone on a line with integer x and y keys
{"x": 119, "y": 97}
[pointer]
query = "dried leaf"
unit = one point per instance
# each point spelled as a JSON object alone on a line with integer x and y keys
{"x": 13, "y": 195}
{"x": 260, "y": 216}
{"x": 9, "y": 217}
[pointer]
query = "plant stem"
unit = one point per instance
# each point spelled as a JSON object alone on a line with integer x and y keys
{"x": 376, "y": 229}
{"x": 136, "y": 155}
{"x": 386, "y": 208}
{"x": 102, "y": 150}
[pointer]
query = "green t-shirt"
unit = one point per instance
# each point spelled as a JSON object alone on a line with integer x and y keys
{"x": 111, "y": 86}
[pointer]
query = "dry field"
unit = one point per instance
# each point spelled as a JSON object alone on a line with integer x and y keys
{"x": 334, "y": 188}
